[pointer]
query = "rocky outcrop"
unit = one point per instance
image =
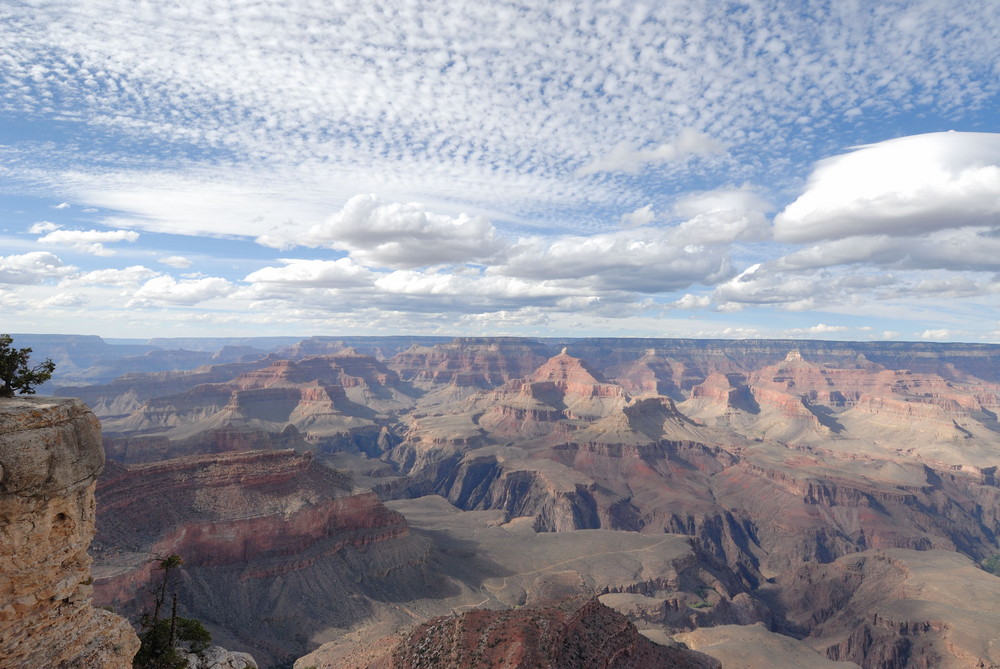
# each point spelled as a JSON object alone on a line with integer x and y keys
{"x": 579, "y": 633}
{"x": 557, "y": 398}
{"x": 50, "y": 457}
{"x": 216, "y": 657}
{"x": 654, "y": 374}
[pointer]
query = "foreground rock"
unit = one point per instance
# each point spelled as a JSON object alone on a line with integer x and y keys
{"x": 50, "y": 456}
{"x": 216, "y": 657}
{"x": 578, "y": 633}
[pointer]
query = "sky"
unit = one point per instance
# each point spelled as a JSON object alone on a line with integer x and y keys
{"x": 685, "y": 169}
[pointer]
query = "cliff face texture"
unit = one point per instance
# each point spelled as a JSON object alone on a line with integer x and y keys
{"x": 321, "y": 402}
{"x": 897, "y": 609}
{"x": 276, "y": 546}
{"x": 50, "y": 456}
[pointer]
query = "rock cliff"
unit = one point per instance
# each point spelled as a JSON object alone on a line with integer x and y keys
{"x": 452, "y": 371}
{"x": 50, "y": 457}
{"x": 276, "y": 546}
{"x": 896, "y": 609}
{"x": 327, "y": 402}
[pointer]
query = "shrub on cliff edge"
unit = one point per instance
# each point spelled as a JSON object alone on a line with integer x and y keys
{"x": 15, "y": 373}
{"x": 164, "y": 639}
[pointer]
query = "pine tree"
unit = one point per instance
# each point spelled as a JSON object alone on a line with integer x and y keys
{"x": 16, "y": 374}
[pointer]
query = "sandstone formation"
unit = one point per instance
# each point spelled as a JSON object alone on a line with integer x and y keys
{"x": 453, "y": 371}
{"x": 50, "y": 456}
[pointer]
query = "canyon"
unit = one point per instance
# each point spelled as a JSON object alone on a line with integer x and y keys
{"x": 754, "y": 503}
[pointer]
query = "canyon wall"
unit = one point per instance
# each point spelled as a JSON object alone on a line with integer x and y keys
{"x": 276, "y": 547}
{"x": 50, "y": 456}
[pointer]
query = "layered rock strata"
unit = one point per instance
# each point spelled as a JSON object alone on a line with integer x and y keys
{"x": 50, "y": 457}
{"x": 334, "y": 402}
{"x": 896, "y": 609}
{"x": 275, "y": 546}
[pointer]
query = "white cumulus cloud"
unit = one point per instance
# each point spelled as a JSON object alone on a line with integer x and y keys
{"x": 32, "y": 268}
{"x": 647, "y": 259}
{"x": 112, "y": 277}
{"x": 176, "y": 261}
{"x": 41, "y": 227}
{"x": 89, "y": 241}
{"x": 167, "y": 290}
{"x": 65, "y": 300}
{"x": 342, "y": 273}
{"x": 398, "y": 235}
{"x": 899, "y": 187}
{"x": 938, "y": 334}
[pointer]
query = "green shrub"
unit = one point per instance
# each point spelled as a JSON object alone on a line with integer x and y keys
{"x": 992, "y": 564}
{"x": 156, "y": 651}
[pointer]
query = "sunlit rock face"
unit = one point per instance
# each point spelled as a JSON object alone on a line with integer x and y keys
{"x": 50, "y": 457}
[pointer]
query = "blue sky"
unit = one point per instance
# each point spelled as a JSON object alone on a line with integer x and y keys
{"x": 681, "y": 169}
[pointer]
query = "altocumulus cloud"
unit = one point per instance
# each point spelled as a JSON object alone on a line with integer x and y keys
{"x": 623, "y": 158}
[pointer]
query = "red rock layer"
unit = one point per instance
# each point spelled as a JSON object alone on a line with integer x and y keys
{"x": 870, "y": 389}
{"x": 346, "y": 368}
{"x": 470, "y": 362}
{"x": 278, "y": 508}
